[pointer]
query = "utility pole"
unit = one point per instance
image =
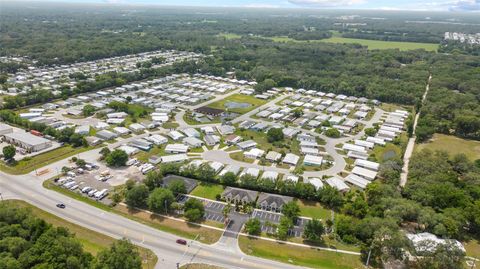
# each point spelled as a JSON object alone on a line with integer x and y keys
{"x": 368, "y": 257}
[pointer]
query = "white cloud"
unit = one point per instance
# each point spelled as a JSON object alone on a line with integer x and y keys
{"x": 261, "y": 6}
{"x": 326, "y": 3}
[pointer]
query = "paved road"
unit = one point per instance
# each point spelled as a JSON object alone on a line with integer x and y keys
{"x": 29, "y": 188}
{"x": 411, "y": 141}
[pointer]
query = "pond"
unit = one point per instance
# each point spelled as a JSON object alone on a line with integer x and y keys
{"x": 389, "y": 154}
{"x": 236, "y": 105}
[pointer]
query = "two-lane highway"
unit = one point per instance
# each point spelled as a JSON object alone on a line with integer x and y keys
{"x": 30, "y": 189}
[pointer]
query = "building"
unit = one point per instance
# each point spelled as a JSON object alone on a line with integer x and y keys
{"x": 316, "y": 182}
{"x": 272, "y": 202}
{"x": 239, "y": 196}
{"x": 357, "y": 181}
{"x": 427, "y": 242}
{"x": 270, "y": 175}
{"x": 291, "y": 159}
{"x": 245, "y": 145}
{"x": 209, "y": 111}
{"x": 254, "y": 153}
{"x": 193, "y": 142}
{"x": 5, "y": 129}
{"x": 337, "y": 184}
{"x": 312, "y": 160}
{"x": 176, "y": 148}
{"x": 230, "y": 169}
{"x": 273, "y": 156}
{"x": 211, "y": 140}
{"x": 106, "y": 135}
{"x": 27, "y": 141}
{"x": 175, "y": 135}
{"x": 174, "y": 158}
{"x": 365, "y": 173}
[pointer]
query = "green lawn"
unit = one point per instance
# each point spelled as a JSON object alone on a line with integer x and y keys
{"x": 371, "y": 44}
{"x": 313, "y": 210}
{"x": 392, "y": 107}
{"x": 92, "y": 241}
{"x": 239, "y": 156}
{"x": 452, "y": 145}
{"x": 29, "y": 164}
{"x": 287, "y": 145}
{"x": 298, "y": 255}
{"x": 239, "y": 98}
{"x": 208, "y": 190}
{"x": 170, "y": 125}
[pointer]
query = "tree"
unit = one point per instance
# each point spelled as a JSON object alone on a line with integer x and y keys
{"x": 9, "y": 153}
{"x": 194, "y": 209}
{"x": 104, "y": 152}
{"x": 370, "y": 131}
{"x": 160, "y": 200}
{"x": 77, "y": 140}
{"x": 117, "y": 158}
{"x": 333, "y": 133}
{"x": 121, "y": 255}
{"x": 314, "y": 230}
{"x": 228, "y": 178}
{"x": 177, "y": 186}
{"x": 265, "y": 85}
{"x": 297, "y": 112}
{"x": 80, "y": 162}
{"x": 193, "y": 215}
{"x": 88, "y": 110}
{"x": 253, "y": 226}
{"x": 153, "y": 179}
{"x": 137, "y": 196}
{"x": 283, "y": 227}
{"x": 291, "y": 210}
{"x": 274, "y": 135}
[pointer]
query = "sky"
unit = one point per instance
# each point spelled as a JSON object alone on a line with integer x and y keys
{"x": 432, "y": 5}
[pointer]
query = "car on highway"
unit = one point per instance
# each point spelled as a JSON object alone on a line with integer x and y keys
{"x": 61, "y": 205}
{"x": 181, "y": 241}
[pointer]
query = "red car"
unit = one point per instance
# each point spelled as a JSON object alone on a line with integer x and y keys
{"x": 181, "y": 241}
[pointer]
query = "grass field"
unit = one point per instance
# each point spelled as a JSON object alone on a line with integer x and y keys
{"x": 371, "y": 44}
{"x": 239, "y": 98}
{"x": 452, "y": 145}
{"x": 298, "y": 255}
{"x": 313, "y": 210}
{"x": 473, "y": 248}
{"x": 229, "y": 36}
{"x": 92, "y": 241}
{"x": 208, "y": 190}
{"x": 27, "y": 165}
{"x": 383, "y": 153}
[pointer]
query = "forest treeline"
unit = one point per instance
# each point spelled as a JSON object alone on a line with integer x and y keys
{"x": 56, "y": 34}
{"x": 29, "y": 242}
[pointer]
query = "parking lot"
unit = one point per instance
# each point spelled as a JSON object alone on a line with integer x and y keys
{"x": 274, "y": 218}
{"x": 213, "y": 209}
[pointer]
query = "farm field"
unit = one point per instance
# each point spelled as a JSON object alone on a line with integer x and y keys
{"x": 371, "y": 44}
{"x": 453, "y": 145}
{"x": 229, "y": 36}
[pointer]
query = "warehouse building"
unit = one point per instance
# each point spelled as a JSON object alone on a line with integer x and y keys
{"x": 27, "y": 141}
